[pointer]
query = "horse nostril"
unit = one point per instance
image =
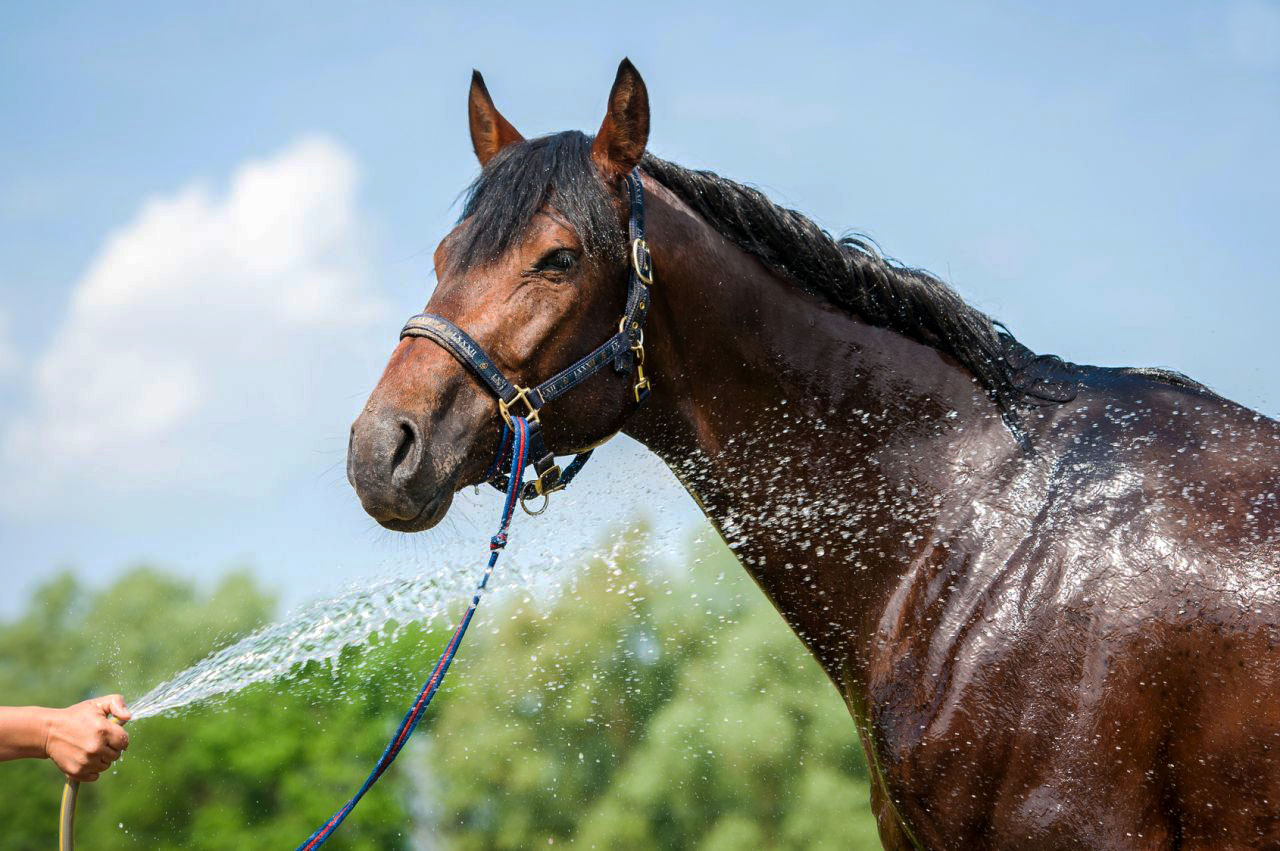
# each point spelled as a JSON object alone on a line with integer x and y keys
{"x": 406, "y": 448}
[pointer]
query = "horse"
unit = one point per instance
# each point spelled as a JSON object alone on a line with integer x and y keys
{"x": 1045, "y": 590}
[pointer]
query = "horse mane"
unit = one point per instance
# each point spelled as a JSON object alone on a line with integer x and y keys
{"x": 555, "y": 171}
{"x": 851, "y": 273}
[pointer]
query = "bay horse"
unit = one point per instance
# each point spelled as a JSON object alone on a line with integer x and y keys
{"x": 1046, "y": 591}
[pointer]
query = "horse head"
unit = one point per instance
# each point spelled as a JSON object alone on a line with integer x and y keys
{"x": 535, "y": 274}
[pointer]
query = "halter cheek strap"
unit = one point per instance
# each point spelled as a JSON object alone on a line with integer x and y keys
{"x": 624, "y": 349}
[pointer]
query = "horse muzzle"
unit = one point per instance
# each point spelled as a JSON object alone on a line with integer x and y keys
{"x": 391, "y": 466}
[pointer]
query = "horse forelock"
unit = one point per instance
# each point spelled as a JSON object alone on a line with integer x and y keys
{"x": 551, "y": 172}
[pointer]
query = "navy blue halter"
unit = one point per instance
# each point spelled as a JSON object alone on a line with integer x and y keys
{"x": 624, "y": 349}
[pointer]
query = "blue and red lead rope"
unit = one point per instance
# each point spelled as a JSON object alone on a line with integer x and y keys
{"x": 498, "y": 460}
{"x": 519, "y": 451}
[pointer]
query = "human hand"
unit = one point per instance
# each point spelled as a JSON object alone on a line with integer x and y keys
{"x": 83, "y": 741}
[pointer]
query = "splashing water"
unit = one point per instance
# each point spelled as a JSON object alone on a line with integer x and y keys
{"x": 319, "y": 631}
{"x": 316, "y": 632}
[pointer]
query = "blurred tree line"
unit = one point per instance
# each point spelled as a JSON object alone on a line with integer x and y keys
{"x": 641, "y": 709}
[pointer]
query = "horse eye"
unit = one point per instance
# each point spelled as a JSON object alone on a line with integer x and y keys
{"x": 560, "y": 260}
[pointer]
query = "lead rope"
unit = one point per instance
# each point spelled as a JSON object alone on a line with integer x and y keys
{"x": 519, "y": 453}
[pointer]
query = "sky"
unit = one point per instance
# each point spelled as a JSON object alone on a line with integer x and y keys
{"x": 212, "y": 225}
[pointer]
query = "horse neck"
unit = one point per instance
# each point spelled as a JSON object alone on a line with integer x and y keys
{"x": 821, "y": 447}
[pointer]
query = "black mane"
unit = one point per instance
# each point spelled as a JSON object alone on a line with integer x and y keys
{"x": 851, "y": 273}
{"x": 556, "y": 172}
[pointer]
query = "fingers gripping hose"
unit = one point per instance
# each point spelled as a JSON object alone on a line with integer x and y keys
{"x": 67, "y": 812}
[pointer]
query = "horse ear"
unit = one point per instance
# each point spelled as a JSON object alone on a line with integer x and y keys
{"x": 620, "y": 143}
{"x": 490, "y": 132}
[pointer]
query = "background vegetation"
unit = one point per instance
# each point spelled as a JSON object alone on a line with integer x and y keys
{"x": 640, "y": 710}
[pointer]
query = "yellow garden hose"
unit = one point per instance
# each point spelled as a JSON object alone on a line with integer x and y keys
{"x": 67, "y": 816}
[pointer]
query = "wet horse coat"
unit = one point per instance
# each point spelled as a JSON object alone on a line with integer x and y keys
{"x": 1046, "y": 591}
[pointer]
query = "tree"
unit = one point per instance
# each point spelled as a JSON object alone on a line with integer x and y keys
{"x": 644, "y": 711}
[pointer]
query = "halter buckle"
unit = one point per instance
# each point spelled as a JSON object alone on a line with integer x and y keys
{"x": 642, "y": 260}
{"x": 641, "y": 388}
{"x": 548, "y": 481}
{"x": 522, "y": 395}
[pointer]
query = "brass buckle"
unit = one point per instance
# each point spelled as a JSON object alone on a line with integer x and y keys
{"x": 548, "y": 481}
{"x": 642, "y": 387}
{"x": 522, "y": 395}
{"x": 642, "y": 383}
{"x": 643, "y": 267}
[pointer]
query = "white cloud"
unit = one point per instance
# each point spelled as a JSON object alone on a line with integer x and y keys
{"x": 201, "y": 345}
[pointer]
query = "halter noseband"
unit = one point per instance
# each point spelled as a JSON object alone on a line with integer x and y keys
{"x": 625, "y": 349}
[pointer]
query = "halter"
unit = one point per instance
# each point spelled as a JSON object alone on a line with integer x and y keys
{"x": 625, "y": 349}
{"x": 521, "y": 446}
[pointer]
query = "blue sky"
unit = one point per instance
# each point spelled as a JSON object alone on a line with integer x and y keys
{"x": 212, "y": 224}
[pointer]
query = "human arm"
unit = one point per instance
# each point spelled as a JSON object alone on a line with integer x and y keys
{"x": 82, "y": 740}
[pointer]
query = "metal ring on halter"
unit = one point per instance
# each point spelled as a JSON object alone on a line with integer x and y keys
{"x": 525, "y": 500}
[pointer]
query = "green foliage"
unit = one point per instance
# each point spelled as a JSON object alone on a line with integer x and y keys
{"x": 261, "y": 770}
{"x": 643, "y": 712}
{"x": 638, "y": 711}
